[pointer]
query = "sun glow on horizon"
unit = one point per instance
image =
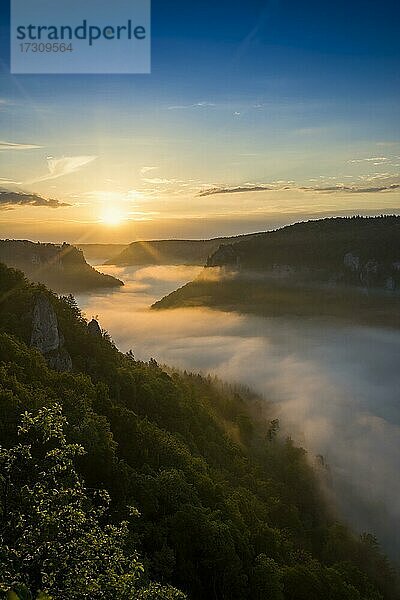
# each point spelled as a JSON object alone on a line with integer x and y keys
{"x": 112, "y": 216}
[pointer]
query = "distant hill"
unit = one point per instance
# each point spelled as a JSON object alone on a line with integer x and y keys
{"x": 100, "y": 253}
{"x": 167, "y": 252}
{"x": 332, "y": 267}
{"x": 61, "y": 267}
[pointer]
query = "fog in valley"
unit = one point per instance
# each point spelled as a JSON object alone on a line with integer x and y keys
{"x": 335, "y": 387}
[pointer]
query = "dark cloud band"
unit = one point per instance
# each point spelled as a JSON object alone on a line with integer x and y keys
{"x": 11, "y": 199}
{"x": 327, "y": 190}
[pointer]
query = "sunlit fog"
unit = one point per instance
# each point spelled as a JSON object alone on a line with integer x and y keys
{"x": 335, "y": 387}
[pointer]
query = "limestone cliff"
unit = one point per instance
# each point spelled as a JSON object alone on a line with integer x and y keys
{"x": 94, "y": 328}
{"x": 46, "y": 336}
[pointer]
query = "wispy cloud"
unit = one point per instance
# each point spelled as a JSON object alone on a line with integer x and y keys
{"x": 17, "y": 146}
{"x": 58, "y": 167}
{"x": 9, "y": 200}
{"x": 195, "y": 105}
{"x": 7, "y": 181}
{"x": 235, "y": 190}
{"x": 6, "y": 103}
{"x": 354, "y": 189}
{"x": 310, "y": 130}
{"x": 161, "y": 181}
{"x": 249, "y": 154}
{"x": 377, "y": 161}
{"x": 387, "y": 144}
{"x": 373, "y": 159}
{"x": 145, "y": 170}
{"x": 351, "y": 189}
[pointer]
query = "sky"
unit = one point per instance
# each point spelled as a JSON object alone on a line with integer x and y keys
{"x": 256, "y": 114}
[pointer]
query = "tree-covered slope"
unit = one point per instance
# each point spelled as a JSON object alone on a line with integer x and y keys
{"x": 62, "y": 267}
{"x": 344, "y": 268}
{"x": 171, "y": 252}
{"x": 55, "y": 541}
{"x": 321, "y": 244}
{"x": 230, "y": 509}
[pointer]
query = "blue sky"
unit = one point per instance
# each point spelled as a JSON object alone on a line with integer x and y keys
{"x": 240, "y": 93}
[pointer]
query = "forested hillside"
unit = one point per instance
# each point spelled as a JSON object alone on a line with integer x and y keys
{"x": 229, "y": 508}
{"x": 61, "y": 267}
{"x": 171, "y": 252}
{"x": 321, "y": 244}
{"x": 342, "y": 268}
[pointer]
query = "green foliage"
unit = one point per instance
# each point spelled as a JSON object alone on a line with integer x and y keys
{"x": 265, "y": 581}
{"x": 21, "y": 592}
{"x": 53, "y": 543}
{"x": 230, "y": 509}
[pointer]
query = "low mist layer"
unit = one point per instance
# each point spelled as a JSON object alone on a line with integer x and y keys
{"x": 335, "y": 386}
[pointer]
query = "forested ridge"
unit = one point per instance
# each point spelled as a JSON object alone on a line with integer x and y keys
{"x": 346, "y": 268}
{"x": 171, "y": 252}
{"x": 229, "y": 508}
{"x": 61, "y": 267}
{"x": 321, "y": 244}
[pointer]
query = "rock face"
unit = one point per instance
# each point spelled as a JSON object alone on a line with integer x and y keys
{"x": 352, "y": 269}
{"x": 370, "y": 273}
{"x": 46, "y": 336}
{"x": 94, "y": 328}
{"x": 224, "y": 256}
{"x": 351, "y": 261}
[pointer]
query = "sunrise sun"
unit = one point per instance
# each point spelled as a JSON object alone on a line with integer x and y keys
{"x": 112, "y": 216}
